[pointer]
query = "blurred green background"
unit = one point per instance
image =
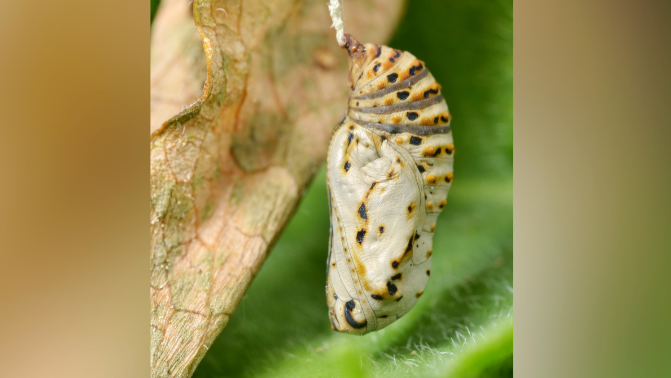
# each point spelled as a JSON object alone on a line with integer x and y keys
{"x": 463, "y": 325}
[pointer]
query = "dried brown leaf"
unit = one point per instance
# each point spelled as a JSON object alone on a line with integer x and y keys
{"x": 228, "y": 171}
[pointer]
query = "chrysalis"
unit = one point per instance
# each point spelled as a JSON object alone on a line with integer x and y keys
{"x": 389, "y": 168}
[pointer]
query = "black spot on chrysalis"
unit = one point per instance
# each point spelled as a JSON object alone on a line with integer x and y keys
{"x": 376, "y": 67}
{"x": 409, "y": 247}
{"x": 430, "y": 92}
{"x": 392, "y": 288}
{"x": 349, "y": 137}
{"x": 442, "y": 118}
{"x": 378, "y": 297}
{"x": 412, "y": 115}
{"x": 402, "y": 95}
{"x": 394, "y": 264}
{"x": 362, "y": 211}
{"x": 413, "y": 70}
{"x": 421, "y": 168}
{"x": 394, "y": 278}
{"x": 392, "y": 60}
{"x": 347, "y": 165}
{"x": 381, "y": 229}
{"x": 379, "y": 51}
{"x": 360, "y": 235}
{"x": 349, "y": 306}
{"x": 416, "y": 236}
{"x": 392, "y": 78}
{"x": 383, "y": 316}
{"x": 437, "y": 152}
{"x": 435, "y": 121}
{"x": 399, "y": 298}
{"x": 428, "y": 272}
{"x": 415, "y": 140}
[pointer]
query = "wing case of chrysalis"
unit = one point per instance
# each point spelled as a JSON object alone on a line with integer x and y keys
{"x": 389, "y": 168}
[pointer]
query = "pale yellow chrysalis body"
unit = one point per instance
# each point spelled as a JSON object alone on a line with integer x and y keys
{"x": 389, "y": 168}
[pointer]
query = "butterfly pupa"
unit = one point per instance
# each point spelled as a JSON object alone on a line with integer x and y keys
{"x": 389, "y": 168}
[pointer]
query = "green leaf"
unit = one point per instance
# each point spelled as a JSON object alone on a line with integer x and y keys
{"x": 463, "y": 324}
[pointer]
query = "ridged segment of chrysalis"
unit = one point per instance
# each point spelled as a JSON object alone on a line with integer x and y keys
{"x": 389, "y": 168}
